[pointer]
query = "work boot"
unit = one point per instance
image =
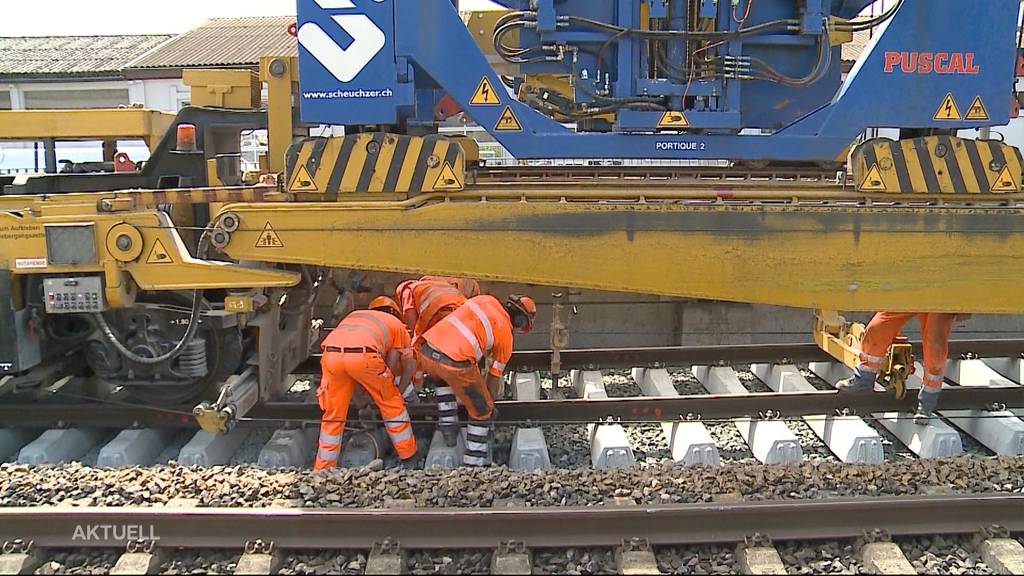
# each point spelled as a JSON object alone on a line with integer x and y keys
{"x": 450, "y": 435}
{"x": 861, "y": 382}
{"x": 927, "y": 401}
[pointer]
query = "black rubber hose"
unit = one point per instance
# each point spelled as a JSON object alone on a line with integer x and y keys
{"x": 190, "y": 331}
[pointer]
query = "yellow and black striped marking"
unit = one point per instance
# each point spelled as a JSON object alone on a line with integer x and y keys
{"x": 376, "y": 163}
{"x": 937, "y": 165}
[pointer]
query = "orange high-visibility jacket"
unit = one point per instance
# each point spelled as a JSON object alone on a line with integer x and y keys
{"x": 466, "y": 286}
{"x": 427, "y": 297}
{"x": 481, "y": 327}
{"x": 379, "y": 331}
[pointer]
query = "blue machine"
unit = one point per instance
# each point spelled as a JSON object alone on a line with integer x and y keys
{"x": 664, "y": 79}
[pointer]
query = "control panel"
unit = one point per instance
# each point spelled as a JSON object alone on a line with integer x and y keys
{"x": 74, "y": 295}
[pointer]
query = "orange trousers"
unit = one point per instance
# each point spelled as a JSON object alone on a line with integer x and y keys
{"x": 341, "y": 374}
{"x": 885, "y": 326}
{"x": 466, "y": 383}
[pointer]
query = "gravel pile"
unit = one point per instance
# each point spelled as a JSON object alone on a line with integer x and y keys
{"x": 200, "y": 562}
{"x": 620, "y": 384}
{"x": 330, "y": 562}
{"x": 78, "y": 561}
{"x": 249, "y": 451}
{"x": 245, "y": 486}
{"x": 568, "y": 446}
{"x": 574, "y": 561}
{"x": 650, "y": 447}
{"x": 829, "y": 557}
{"x": 943, "y": 555}
{"x": 697, "y": 560}
{"x": 449, "y": 562}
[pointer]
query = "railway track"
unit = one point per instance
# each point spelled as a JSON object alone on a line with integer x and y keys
{"x": 776, "y": 400}
{"x": 260, "y": 538}
{"x": 899, "y": 501}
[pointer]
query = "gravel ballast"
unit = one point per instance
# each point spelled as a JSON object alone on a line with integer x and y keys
{"x": 247, "y": 486}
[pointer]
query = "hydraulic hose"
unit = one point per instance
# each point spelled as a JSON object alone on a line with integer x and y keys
{"x": 190, "y": 331}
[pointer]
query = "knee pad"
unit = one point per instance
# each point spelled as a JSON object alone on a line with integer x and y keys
{"x": 478, "y": 400}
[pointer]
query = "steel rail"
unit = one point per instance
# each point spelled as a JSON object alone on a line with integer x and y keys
{"x": 685, "y": 524}
{"x": 706, "y": 407}
{"x": 660, "y": 357}
{"x": 647, "y": 409}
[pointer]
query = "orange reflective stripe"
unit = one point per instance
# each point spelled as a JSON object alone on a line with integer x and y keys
{"x": 326, "y": 438}
{"x": 383, "y": 336}
{"x": 328, "y": 455}
{"x": 871, "y": 358}
{"x": 431, "y": 293}
{"x": 486, "y": 322}
{"x": 467, "y": 334}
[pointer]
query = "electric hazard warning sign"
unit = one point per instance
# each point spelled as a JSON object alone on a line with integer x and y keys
{"x": 485, "y": 94}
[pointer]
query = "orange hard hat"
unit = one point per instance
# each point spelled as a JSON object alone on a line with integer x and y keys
{"x": 527, "y": 306}
{"x": 385, "y": 304}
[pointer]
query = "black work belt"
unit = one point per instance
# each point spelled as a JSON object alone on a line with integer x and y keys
{"x": 349, "y": 350}
{"x": 443, "y": 358}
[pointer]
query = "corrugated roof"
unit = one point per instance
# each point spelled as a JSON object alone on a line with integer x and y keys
{"x": 225, "y": 42}
{"x": 72, "y": 55}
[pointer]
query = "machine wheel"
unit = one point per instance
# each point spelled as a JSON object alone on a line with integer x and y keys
{"x": 152, "y": 328}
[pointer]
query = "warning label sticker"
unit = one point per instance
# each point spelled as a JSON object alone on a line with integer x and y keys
{"x": 302, "y": 181}
{"x": 1005, "y": 182}
{"x": 29, "y": 263}
{"x": 508, "y": 122}
{"x": 269, "y": 238}
{"x": 948, "y": 109}
{"x": 673, "y": 119}
{"x": 159, "y": 254}
{"x": 873, "y": 182}
{"x": 977, "y": 111}
{"x": 485, "y": 94}
{"x": 448, "y": 179}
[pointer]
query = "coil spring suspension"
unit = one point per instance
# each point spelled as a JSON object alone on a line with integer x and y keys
{"x": 192, "y": 361}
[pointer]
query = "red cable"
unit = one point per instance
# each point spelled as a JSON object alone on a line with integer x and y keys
{"x": 747, "y": 14}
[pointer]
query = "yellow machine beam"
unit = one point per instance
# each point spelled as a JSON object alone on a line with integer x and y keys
{"x": 121, "y": 123}
{"x": 841, "y": 257}
{"x": 70, "y": 235}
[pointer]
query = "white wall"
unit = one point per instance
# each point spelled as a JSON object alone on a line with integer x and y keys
{"x": 166, "y": 95}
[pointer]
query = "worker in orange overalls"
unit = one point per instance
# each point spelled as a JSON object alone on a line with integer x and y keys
{"x": 426, "y": 301}
{"x": 367, "y": 349}
{"x": 875, "y": 342}
{"x": 467, "y": 286}
{"x": 452, "y": 352}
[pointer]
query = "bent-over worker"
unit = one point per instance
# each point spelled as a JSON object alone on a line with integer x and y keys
{"x": 467, "y": 286}
{"x": 875, "y": 342}
{"x": 367, "y": 349}
{"x": 426, "y": 301}
{"x": 452, "y": 352}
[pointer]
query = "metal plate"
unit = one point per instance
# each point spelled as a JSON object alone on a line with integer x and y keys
{"x": 71, "y": 244}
